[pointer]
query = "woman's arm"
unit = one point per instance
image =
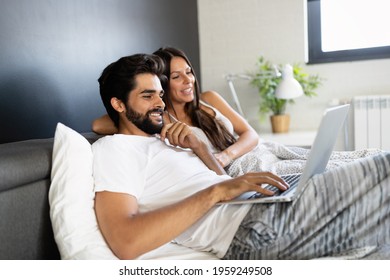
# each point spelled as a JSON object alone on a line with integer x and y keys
{"x": 104, "y": 125}
{"x": 247, "y": 136}
{"x": 209, "y": 159}
{"x": 180, "y": 134}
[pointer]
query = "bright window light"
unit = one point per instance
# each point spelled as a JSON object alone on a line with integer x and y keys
{"x": 354, "y": 24}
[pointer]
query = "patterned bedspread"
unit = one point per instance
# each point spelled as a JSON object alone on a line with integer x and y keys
{"x": 281, "y": 159}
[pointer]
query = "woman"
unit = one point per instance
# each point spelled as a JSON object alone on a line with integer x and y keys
{"x": 228, "y": 135}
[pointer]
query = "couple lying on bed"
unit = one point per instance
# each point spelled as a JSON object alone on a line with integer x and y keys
{"x": 155, "y": 181}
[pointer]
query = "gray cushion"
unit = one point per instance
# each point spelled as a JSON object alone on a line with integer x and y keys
{"x": 24, "y": 162}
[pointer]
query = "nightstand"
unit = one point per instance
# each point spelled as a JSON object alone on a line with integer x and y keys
{"x": 294, "y": 138}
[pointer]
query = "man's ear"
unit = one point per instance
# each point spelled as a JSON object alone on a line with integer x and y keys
{"x": 117, "y": 105}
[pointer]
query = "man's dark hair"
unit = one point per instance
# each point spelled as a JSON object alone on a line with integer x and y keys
{"x": 118, "y": 78}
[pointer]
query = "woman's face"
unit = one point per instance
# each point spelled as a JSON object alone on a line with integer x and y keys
{"x": 181, "y": 81}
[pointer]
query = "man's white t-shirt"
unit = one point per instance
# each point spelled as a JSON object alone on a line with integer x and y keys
{"x": 158, "y": 174}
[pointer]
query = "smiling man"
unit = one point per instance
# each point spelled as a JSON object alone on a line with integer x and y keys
{"x": 147, "y": 98}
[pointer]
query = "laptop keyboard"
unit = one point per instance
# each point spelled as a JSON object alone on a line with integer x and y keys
{"x": 291, "y": 179}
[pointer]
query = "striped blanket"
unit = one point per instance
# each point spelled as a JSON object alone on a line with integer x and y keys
{"x": 343, "y": 213}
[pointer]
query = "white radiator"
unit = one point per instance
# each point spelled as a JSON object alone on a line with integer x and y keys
{"x": 372, "y": 122}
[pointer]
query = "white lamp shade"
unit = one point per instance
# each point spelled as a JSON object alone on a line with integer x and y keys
{"x": 288, "y": 87}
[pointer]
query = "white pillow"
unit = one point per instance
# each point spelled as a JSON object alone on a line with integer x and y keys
{"x": 71, "y": 198}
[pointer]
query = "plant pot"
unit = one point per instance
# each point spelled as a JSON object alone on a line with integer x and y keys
{"x": 280, "y": 123}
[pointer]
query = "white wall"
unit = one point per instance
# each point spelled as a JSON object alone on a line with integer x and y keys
{"x": 234, "y": 33}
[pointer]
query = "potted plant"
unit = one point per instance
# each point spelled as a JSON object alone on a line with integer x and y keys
{"x": 266, "y": 78}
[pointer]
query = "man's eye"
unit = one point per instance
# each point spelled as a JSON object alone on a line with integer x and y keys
{"x": 146, "y": 96}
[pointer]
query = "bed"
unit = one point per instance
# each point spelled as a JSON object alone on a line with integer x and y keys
{"x": 71, "y": 197}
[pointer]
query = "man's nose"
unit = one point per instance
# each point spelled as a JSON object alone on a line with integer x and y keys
{"x": 159, "y": 102}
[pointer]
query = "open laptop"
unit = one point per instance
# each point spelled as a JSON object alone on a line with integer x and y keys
{"x": 318, "y": 158}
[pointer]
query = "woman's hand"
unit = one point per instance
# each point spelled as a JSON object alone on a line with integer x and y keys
{"x": 224, "y": 158}
{"x": 180, "y": 134}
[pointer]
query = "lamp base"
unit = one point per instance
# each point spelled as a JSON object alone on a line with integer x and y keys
{"x": 280, "y": 123}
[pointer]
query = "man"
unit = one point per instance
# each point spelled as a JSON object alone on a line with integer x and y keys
{"x": 154, "y": 182}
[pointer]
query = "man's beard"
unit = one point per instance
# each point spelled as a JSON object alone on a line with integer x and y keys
{"x": 143, "y": 122}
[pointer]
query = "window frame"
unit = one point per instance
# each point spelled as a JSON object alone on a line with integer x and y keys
{"x": 316, "y": 55}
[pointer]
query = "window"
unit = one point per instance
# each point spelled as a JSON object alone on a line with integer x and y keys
{"x": 347, "y": 30}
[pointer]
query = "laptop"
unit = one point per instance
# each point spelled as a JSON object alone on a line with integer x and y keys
{"x": 318, "y": 158}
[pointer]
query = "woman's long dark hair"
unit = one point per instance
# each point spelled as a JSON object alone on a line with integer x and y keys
{"x": 216, "y": 132}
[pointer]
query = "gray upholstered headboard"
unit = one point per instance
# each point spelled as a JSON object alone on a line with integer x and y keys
{"x": 25, "y": 227}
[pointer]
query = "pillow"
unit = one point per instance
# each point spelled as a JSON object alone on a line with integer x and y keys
{"x": 71, "y": 198}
